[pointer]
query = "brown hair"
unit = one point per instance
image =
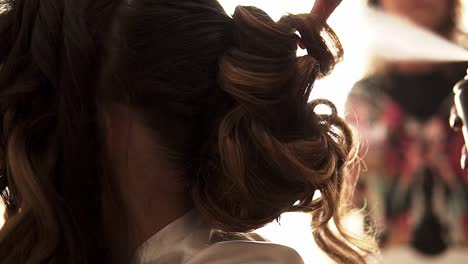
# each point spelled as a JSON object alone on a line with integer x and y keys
{"x": 231, "y": 92}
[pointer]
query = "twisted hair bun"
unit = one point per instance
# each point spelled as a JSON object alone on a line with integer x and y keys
{"x": 272, "y": 152}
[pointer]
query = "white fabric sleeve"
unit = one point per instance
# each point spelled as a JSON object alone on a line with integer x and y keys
{"x": 246, "y": 252}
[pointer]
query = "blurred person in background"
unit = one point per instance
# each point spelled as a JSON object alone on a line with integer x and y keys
{"x": 413, "y": 188}
{"x": 164, "y": 132}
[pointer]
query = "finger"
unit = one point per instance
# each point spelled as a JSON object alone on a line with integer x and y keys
{"x": 324, "y": 8}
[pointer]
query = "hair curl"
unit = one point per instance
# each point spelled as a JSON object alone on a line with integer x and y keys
{"x": 231, "y": 92}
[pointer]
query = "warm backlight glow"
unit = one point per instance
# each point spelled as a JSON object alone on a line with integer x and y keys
{"x": 348, "y": 23}
{"x": 294, "y": 228}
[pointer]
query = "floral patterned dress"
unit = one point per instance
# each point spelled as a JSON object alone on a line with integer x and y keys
{"x": 412, "y": 187}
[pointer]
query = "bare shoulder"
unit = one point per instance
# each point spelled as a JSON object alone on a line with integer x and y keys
{"x": 246, "y": 252}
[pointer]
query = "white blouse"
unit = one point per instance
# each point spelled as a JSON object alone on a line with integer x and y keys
{"x": 188, "y": 240}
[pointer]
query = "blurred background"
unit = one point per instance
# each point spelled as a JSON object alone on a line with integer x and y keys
{"x": 393, "y": 86}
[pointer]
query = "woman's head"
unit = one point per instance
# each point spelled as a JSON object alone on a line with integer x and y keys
{"x": 224, "y": 100}
{"x": 437, "y": 15}
{"x": 223, "y": 95}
